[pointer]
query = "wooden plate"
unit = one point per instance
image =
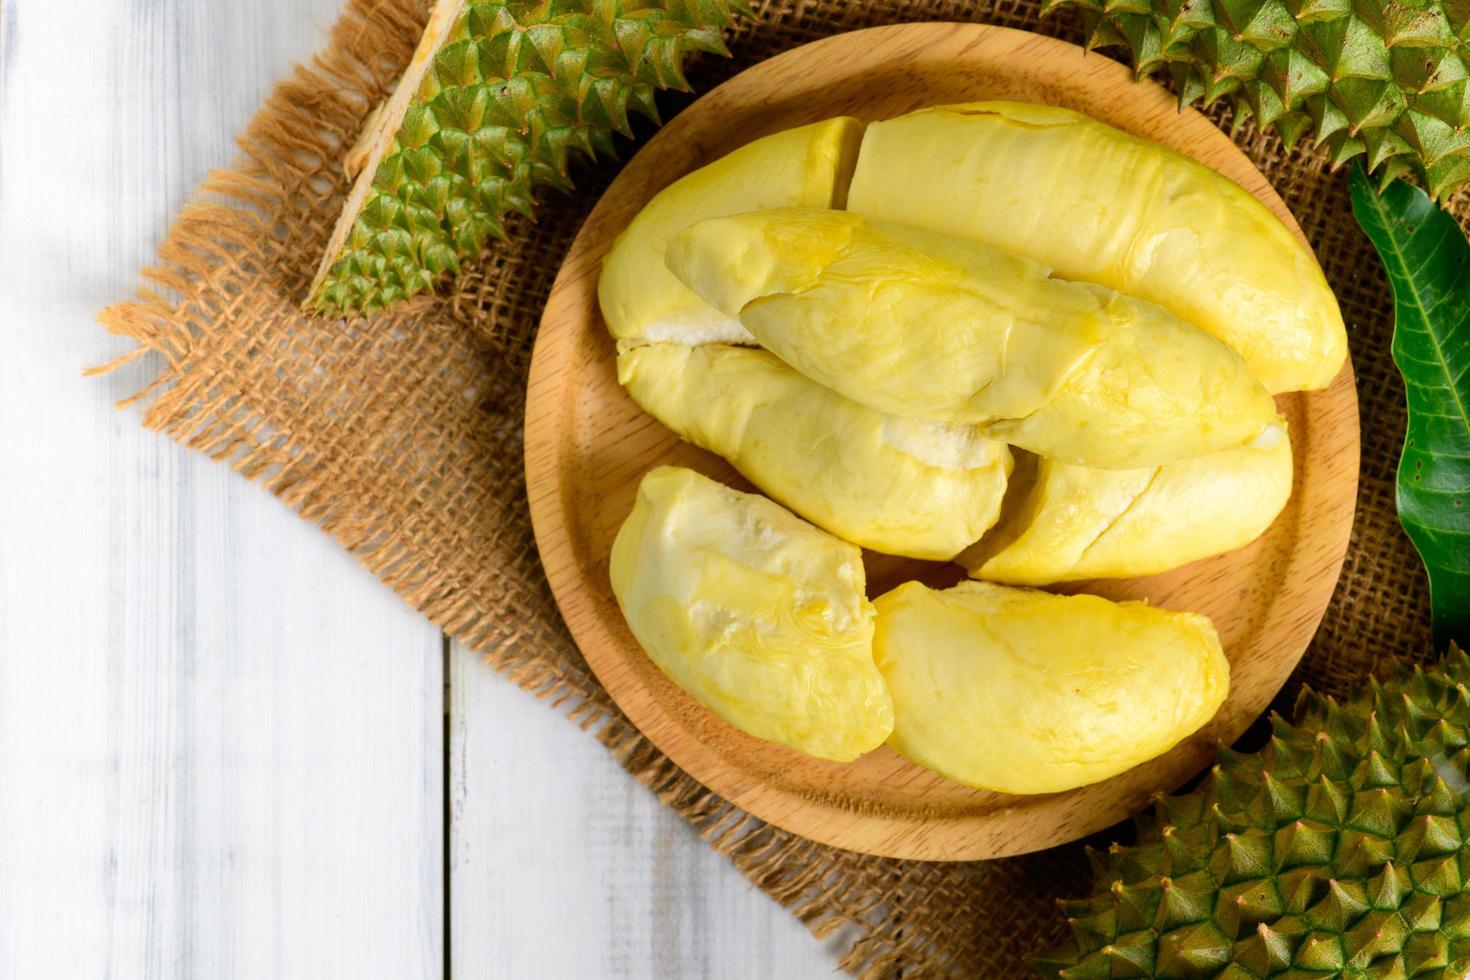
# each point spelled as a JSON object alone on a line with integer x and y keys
{"x": 587, "y": 446}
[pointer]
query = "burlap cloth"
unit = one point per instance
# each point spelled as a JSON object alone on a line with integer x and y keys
{"x": 401, "y": 437}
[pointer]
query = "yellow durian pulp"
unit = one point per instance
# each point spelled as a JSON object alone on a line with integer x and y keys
{"x": 1065, "y": 522}
{"x": 757, "y": 614}
{"x": 1026, "y": 692}
{"x": 1094, "y": 203}
{"x": 924, "y": 325}
{"x": 897, "y": 485}
{"x": 641, "y": 301}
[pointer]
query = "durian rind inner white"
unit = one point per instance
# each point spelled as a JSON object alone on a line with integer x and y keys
{"x": 756, "y": 613}
{"x": 1021, "y": 691}
{"x": 1097, "y": 204}
{"x": 642, "y": 302}
{"x": 900, "y": 486}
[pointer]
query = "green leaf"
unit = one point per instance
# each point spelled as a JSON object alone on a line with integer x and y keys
{"x": 1427, "y": 259}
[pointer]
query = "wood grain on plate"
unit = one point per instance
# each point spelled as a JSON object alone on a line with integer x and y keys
{"x": 587, "y": 445}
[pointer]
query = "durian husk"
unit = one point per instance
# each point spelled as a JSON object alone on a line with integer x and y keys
{"x": 510, "y": 94}
{"x": 1384, "y": 81}
{"x": 1338, "y": 849}
{"x": 376, "y": 141}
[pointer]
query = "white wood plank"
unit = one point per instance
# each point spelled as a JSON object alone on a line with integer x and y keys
{"x": 220, "y": 739}
{"x": 561, "y": 865}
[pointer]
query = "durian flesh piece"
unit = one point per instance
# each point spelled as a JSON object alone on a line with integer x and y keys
{"x": 1067, "y": 522}
{"x": 924, "y": 325}
{"x": 1027, "y": 692}
{"x": 642, "y": 301}
{"x": 897, "y": 485}
{"x": 761, "y": 617}
{"x": 1094, "y": 203}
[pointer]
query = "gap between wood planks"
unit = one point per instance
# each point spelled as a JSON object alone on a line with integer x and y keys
{"x": 446, "y": 646}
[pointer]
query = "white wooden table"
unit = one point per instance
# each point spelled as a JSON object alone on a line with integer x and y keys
{"x": 225, "y": 749}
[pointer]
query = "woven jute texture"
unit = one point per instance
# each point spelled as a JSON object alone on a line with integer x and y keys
{"x": 400, "y": 436}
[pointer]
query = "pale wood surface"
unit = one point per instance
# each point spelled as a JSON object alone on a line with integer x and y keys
{"x": 588, "y": 444}
{"x": 221, "y": 741}
{"x": 561, "y": 865}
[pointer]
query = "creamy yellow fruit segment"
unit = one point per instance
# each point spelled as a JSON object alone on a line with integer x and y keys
{"x": 807, "y": 166}
{"x": 1067, "y": 522}
{"x": 1094, "y": 203}
{"x": 902, "y": 486}
{"x": 1026, "y": 692}
{"x": 925, "y": 325}
{"x": 756, "y": 613}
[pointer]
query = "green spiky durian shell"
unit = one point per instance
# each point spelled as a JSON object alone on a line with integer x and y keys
{"x": 513, "y": 93}
{"x": 1383, "y": 78}
{"x": 1340, "y": 849}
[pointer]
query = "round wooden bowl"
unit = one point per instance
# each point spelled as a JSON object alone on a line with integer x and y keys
{"x": 587, "y": 446}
